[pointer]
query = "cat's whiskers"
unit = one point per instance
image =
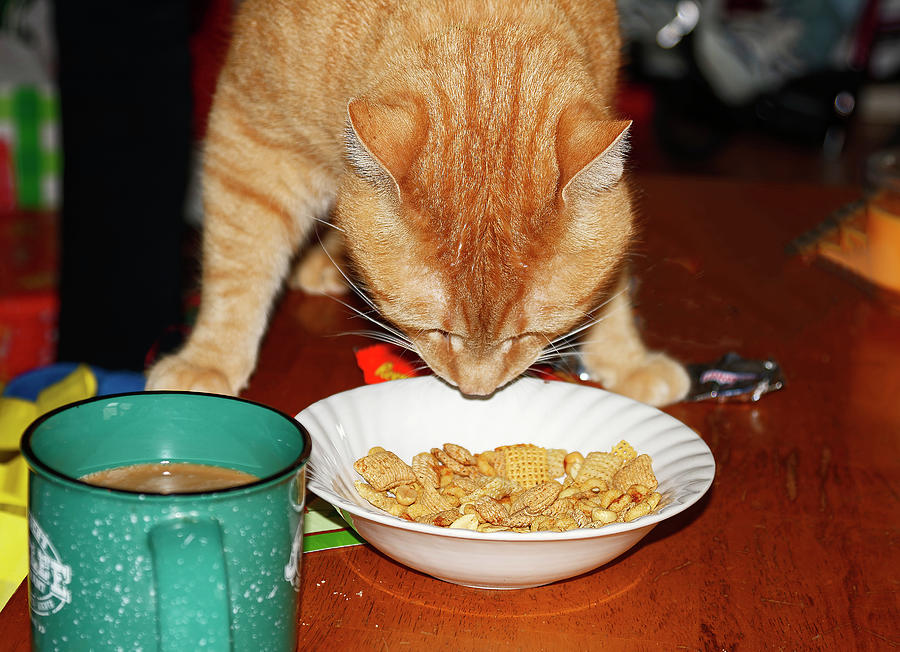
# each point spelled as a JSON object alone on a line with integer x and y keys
{"x": 557, "y": 358}
{"x": 608, "y": 301}
{"x": 548, "y": 355}
{"x": 381, "y": 336}
{"x": 367, "y": 317}
{"x": 384, "y": 325}
{"x": 389, "y": 334}
{"x": 551, "y": 344}
{"x": 353, "y": 286}
{"x": 328, "y": 223}
{"x": 569, "y": 344}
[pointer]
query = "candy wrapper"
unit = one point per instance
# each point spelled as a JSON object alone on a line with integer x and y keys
{"x": 381, "y": 362}
{"x": 730, "y": 378}
{"x": 733, "y": 378}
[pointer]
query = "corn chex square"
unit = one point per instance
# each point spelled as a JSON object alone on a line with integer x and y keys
{"x": 624, "y": 450}
{"x": 525, "y": 464}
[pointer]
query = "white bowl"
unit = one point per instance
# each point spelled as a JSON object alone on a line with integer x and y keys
{"x": 414, "y": 415}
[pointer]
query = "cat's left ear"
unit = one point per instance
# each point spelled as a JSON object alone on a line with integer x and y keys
{"x": 590, "y": 151}
{"x": 385, "y": 135}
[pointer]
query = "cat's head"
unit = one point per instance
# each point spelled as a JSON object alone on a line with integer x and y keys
{"x": 484, "y": 236}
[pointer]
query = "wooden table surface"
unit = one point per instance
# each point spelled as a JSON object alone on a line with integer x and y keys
{"x": 796, "y": 544}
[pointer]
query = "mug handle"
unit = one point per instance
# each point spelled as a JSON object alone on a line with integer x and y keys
{"x": 193, "y": 607}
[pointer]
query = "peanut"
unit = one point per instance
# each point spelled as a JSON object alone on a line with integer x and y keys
{"x": 466, "y": 522}
{"x": 603, "y": 516}
{"x": 484, "y": 465}
{"x": 638, "y": 510}
{"x": 572, "y": 463}
{"x": 620, "y": 503}
{"x": 406, "y": 494}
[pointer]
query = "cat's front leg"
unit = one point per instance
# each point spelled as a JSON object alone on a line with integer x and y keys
{"x": 320, "y": 270}
{"x": 615, "y": 355}
{"x": 259, "y": 203}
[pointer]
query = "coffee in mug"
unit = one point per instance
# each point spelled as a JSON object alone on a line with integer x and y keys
{"x": 169, "y": 478}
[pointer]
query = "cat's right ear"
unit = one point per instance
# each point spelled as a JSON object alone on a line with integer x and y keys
{"x": 590, "y": 150}
{"x": 384, "y": 137}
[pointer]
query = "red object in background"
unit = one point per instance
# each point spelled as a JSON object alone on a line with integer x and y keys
{"x": 381, "y": 362}
{"x": 7, "y": 186}
{"x": 29, "y": 249}
{"x": 28, "y": 303}
{"x": 636, "y": 102}
{"x": 27, "y": 332}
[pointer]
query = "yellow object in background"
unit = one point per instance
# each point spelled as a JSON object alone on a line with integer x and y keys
{"x": 15, "y": 416}
{"x": 13, "y": 484}
{"x": 883, "y": 224}
{"x": 13, "y": 554}
{"x": 78, "y": 385}
{"x": 884, "y": 238}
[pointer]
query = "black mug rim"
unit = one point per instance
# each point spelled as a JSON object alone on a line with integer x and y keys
{"x": 32, "y": 458}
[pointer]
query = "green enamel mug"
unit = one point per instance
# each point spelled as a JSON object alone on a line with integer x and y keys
{"x": 113, "y": 569}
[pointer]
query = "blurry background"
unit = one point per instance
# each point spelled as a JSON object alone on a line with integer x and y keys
{"x": 783, "y": 89}
{"x": 103, "y": 105}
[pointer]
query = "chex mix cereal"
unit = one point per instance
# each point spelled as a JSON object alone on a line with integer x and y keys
{"x": 518, "y": 488}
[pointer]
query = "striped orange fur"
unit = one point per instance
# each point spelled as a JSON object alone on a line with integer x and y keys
{"x": 473, "y": 163}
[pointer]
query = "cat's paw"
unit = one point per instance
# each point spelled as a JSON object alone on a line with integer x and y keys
{"x": 659, "y": 381}
{"x": 316, "y": 273}
{"x": 175, "y": 372}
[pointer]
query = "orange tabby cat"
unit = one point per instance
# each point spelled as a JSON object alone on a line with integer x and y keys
{"x": 473, "y": 164}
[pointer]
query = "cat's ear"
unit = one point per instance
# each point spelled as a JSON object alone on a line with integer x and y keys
{"x": 385, "y": 135}
{"x": 590, "y": 151}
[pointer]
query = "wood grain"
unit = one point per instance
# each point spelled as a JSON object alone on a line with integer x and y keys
{"x": 794, "y": 547}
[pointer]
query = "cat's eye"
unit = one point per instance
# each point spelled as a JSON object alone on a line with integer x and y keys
{"x": 522, "y": 338}
{"x": 456, "y": 342}
{"x": 451, "y": 340}
{"x": 507, "y": 344}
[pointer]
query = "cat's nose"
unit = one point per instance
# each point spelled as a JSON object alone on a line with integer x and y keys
{"x": 478, "y": 384}
{"x": 474, "y": 389}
